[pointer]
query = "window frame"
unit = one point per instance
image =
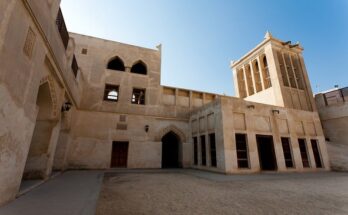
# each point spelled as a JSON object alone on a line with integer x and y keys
{"x": 319, "y": 159}
{"x": 240, "y": 150}
{"x": 290, "y": 152}
{"x": 109, "y": 88}
{"x": 203, "y": 149}
{"x": 136, "y": 100}
{"x": 212, "y": 152}
{"x": 135, "y": 64}
{"x": 74, "y": 66}
{"x": 195, "y": 150}
{"x": 123, "y": 69}
{"x": 302, "y": 153}
{"x": 84, "y": 51}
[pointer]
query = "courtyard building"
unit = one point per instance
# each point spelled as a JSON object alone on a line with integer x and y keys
{"x": 72, "y": 101}
{"x": 333, "y": 111}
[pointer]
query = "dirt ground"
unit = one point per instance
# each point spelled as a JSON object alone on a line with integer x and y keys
{"x": 197, "y": 192}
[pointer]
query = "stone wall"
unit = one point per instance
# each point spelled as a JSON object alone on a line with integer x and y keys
{"x": 94, "y": 132}
{"x": 334, "y": 119}
{"x": 31, "y": 54}
{"x": 239, "y": 116}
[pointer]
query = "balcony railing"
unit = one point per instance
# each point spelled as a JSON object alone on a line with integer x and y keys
{"x": 62, "y": 28}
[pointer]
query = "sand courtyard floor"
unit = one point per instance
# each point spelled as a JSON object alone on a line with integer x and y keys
{"x": 184, "y": 191}
{"x": 197, "y": 192}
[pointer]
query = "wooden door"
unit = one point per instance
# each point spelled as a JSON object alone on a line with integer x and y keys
{"x": 119, "y": 154}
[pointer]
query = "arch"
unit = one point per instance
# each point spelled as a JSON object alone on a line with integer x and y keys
{"x": 171, "y": 151}
{"x": 171, "y": 128}
{"x": 55, "y": 108}
{"x": 265, "y": 72}
{"x": 264, "y": 60}
{"x": 256, "y": 64}
{"x": 257, "y": 76}
{"x": 116, "y": 63}
{"x": 40, "y": 150}
{"x": 44, "y": 102}
{"x": 139, "y": 67}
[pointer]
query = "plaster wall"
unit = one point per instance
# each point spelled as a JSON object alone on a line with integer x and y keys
{"x": 94, "y": 132}
{"x": 204, "y": 121}
{"x": 265, "y": 97}
{"x": 32, "y": 54}
{"x": 64, "y": 140}
{"x": 239, "y": 116}
{"x": 14, "y": 145}
{"x": 30, "y": 50}
{"x": 334, "y": 119}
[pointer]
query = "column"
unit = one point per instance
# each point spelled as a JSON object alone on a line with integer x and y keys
{"x": 245, "y": 82}
{"x": 252, "y": 76}
{"x": 261, "y": 73}
{"x": 176, "y": 97}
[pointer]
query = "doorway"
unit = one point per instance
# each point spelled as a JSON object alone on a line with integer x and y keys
{"x": 170, "y": 151}
{"x": 38, "y": 159}
{"x": 38, "y": 166}
{"x": 119, "y": 154}
{"x": 265, "y": 148}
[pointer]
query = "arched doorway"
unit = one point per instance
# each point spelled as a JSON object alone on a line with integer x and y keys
{"x": 38, "y": 163}
{"x": 170, "y": 150}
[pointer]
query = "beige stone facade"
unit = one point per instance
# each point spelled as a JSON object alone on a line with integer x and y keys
{"x": 333, "y": 111}
{"x": 71, "y": 101}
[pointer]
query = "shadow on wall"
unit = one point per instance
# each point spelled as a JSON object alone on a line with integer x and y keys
{"x": 338, "y": 156}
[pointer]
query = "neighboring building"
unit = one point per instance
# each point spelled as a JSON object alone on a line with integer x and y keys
{"x": 70, "y": 101}
{"x": 333, "y": 111}
{"x": 284, "y": 133}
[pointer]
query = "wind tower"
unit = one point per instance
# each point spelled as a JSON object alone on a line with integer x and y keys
{"x": 274, "y": 73}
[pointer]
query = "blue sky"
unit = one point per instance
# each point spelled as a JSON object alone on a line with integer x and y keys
{"x": 200, "y": 38}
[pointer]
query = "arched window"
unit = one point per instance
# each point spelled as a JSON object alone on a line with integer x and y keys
{"x": 116, "y": 64}
{"x": 266, "y": 76}
{"x": 257, "y": 76}
{"x": 265, "y": 61}
{"x": 139, "y": 68}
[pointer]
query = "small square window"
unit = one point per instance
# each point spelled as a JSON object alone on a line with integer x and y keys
{"x": 138, "y": 96}
{"x": 84, "y": 51}
{"x": 111, "y": 93}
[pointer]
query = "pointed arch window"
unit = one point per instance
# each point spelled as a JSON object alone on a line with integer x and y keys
{"x": 139, "y": 68}
{"x": 116, "y": 64}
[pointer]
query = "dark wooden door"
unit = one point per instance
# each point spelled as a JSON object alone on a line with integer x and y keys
{"x": 119, "y": 154}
